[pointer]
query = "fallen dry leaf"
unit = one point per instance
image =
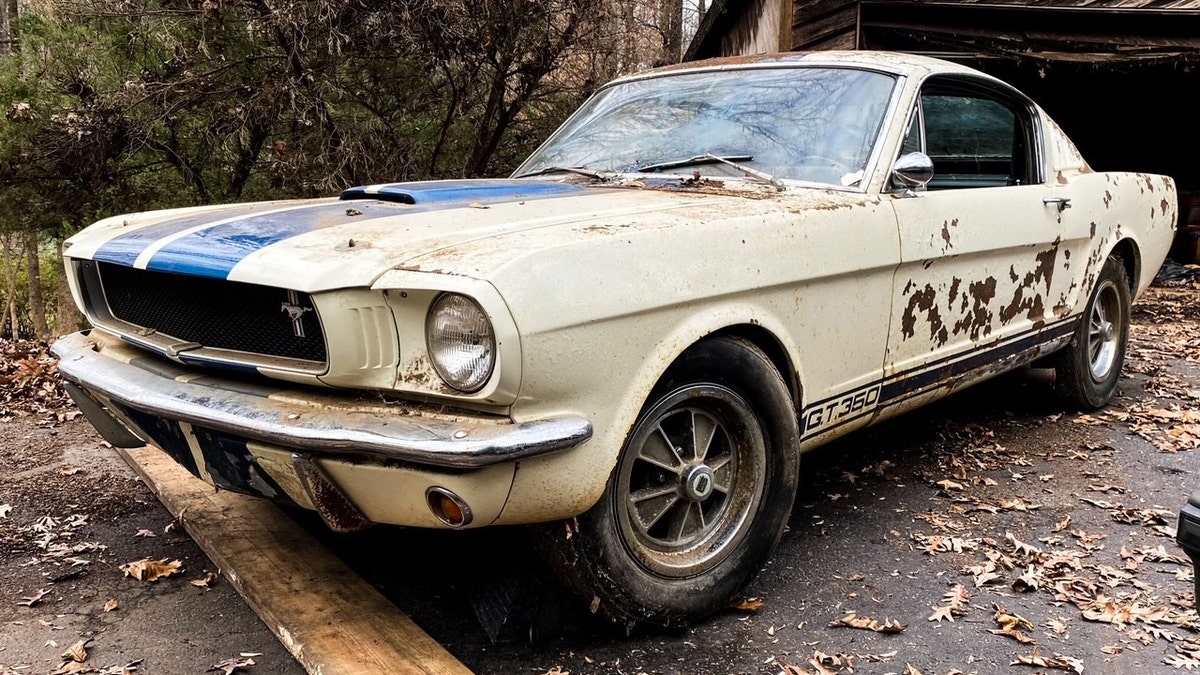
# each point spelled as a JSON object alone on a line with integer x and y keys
{"x": 110, "y": 605}
{"x": 829, "y": 664}
{"x": 145, "y": 533}
{"x": 748, "y": 604}
{"x": 942, "y": 612}
{"x": 151, "y": 570}
{"x": 1010, "y": 625}
{"x": 31, "y": 600}
{"x": 987, "y": 577}
{"x": 177, "y": 521}
{"x": 204, "y": 581}
{"x": 1188, "y": 656}
{"x": 1058, "y": 662}
{"x": 1059, "y": 626}
{"x": 1021, "y": 547}
{"x": 949, "y": 485}
{"x": 69, "y": 470}
{"x": 852, "y": 620}
{"x": 78, "y": 651}
{"x": 956, "y": 600}
{"x": 1028, "y": 582}
{"x": 228, "y": 666}
{"x": 127, "y": 669}
{"x": 72, "y": 668}
{"x": 4, "y": 509}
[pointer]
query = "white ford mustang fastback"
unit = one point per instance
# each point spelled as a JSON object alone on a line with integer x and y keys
{"x": 705, "y": 272}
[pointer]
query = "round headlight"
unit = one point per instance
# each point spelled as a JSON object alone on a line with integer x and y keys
{"x": 461, "y": 343}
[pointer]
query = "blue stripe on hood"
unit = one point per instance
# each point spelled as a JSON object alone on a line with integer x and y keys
{"x": 124, "y": 249}
{"x": 213, "y": 252}
{"x": 462, "y": 191}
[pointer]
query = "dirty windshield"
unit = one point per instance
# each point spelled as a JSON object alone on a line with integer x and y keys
{"x": 810, "y": 124}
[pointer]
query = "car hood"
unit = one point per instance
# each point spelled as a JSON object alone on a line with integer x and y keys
{"x": 322, "y": 244}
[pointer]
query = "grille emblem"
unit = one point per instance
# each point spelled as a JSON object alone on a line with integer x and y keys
{"x": 295, "y": 312}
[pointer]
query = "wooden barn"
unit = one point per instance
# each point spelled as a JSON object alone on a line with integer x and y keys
{"x": 1118, "y": 75}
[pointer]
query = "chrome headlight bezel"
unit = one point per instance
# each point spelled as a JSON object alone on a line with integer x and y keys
{"x": 456, "y": 325}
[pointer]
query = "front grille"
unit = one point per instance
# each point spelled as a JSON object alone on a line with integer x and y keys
{"x": 213, "y": 312}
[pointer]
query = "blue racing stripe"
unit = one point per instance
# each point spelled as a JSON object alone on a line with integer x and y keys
{"x": 463, "y": 191}
{"x": 124, "y": 249}
{"x": 214, "y": 252}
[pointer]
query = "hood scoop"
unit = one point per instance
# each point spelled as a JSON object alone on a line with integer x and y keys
{"x": 464, "y": 192}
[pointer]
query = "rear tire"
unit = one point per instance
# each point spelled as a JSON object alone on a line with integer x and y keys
{"x": 699, "y": 497}
{"x": 1088, "y": 370}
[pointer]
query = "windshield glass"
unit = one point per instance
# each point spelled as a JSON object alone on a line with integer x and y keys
{"x": 812, "y": 124}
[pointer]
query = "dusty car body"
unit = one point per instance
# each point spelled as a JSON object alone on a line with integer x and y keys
{"x": 708, "y": 270}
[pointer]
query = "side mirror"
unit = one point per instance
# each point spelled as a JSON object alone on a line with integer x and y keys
{"x": 912, "y": 171}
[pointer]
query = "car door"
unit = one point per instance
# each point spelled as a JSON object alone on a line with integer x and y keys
{"x": 980, "y": 245}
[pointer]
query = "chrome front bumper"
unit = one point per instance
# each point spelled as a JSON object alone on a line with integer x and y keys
{"x": 319, "y": 424}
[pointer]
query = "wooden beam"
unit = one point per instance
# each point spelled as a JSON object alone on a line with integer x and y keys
{"x": 325, "y": 615}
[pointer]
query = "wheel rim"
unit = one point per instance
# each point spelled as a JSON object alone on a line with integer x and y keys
{"x": 1104, "y": 331}
{"x": 689, "y": 479}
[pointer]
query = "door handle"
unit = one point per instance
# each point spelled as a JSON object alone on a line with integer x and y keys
{"x": 1063, "y": 203}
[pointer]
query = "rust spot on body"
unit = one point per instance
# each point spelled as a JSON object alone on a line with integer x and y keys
{"x": 925, "y": 301}
{"x": 946, "y": 225}
{"x": 908, "y": 321}
{"x": 1045, "y": 266}
{"x": 977, "y": 322}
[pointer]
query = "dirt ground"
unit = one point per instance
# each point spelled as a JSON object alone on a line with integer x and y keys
{"x": 989, "y": 533}
{"x": 71, "y": 514}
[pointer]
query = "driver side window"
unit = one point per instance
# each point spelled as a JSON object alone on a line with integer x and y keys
{"x": 976, "y": 138}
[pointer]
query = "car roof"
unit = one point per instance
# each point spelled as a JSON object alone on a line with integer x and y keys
{"x": 891, "y": 62}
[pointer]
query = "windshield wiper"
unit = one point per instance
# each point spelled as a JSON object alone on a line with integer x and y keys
{"x": 706, "y": 158}
{"x": 567, "y": 169}
{"x": 709, "y": 158}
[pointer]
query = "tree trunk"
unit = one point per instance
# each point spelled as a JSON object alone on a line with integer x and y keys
{"x": 8, "y": 27}
{"x": 670, "y": 22}
{"x": 68, "y": 317}
{"x": 629, "y": 41}
{"x": 37, "y": 303}
{"x": 7, "y": 257}
{"x": 483, "y": 147}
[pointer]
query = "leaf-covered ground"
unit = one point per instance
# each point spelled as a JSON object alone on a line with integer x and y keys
{"x": 93, "y": 577}
{"x": 990, "y": 533}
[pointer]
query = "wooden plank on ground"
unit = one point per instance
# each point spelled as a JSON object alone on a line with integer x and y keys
{"x": 328, "y": 617}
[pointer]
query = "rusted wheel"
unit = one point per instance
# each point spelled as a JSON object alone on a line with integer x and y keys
{"x": 1088, "y": 370}
{"x": 700, "y": 494}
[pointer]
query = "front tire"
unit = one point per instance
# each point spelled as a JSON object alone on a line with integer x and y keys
{"x": 699, "y": 497}
{"x": 1088, "y": 370}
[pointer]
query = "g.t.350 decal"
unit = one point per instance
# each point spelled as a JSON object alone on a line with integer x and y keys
{"x": 824, "y": 415}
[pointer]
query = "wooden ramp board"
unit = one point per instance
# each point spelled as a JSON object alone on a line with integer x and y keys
{"x": 328, "y": 618}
